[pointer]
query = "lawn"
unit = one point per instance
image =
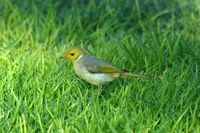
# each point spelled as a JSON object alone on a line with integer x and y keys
{"x": 39, "y": 91}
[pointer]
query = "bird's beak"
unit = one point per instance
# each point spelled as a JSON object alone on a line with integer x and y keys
{"x": 61, "y": 57}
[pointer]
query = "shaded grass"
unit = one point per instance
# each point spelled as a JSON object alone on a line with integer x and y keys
{"x": 40, "y": 92}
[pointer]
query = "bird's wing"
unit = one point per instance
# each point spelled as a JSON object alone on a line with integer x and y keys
{"x": 94, "y": 65}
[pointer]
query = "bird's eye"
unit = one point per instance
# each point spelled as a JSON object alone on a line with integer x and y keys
{"x": 72, "y": 54}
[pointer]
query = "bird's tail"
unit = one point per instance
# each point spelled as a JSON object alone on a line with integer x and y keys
{"x": 127, "y": 74}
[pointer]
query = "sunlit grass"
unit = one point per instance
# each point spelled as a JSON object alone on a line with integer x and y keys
{"x": 39, "y": 92}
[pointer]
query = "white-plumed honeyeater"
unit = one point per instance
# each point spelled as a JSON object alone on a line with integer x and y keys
{"x": 93, "y": 70}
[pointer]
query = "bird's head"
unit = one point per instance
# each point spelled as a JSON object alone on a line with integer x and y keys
{"x": 73, "y": 53}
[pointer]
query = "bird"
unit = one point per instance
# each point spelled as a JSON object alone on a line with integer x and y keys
{"x": 94, "y": 70}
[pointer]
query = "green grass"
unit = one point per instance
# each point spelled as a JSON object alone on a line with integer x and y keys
{"x": 39, "y": 92}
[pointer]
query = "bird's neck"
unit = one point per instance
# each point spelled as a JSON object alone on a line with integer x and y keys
{"x": 78, "y": 59}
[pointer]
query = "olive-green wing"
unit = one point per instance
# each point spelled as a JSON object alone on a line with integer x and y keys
{"x": 94, "y": 65}
{"x": 109, "y": 69}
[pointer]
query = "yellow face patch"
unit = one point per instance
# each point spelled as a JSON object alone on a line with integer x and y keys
{"x": 73, "y": 53}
